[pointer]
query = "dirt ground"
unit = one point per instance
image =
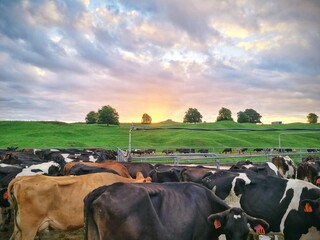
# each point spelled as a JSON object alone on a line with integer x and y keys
{"x": 74, "y": 235}
{"x": 50, "y": 235}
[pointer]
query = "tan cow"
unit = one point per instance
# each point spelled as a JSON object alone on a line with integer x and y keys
{"x": 41, "y": 201}
{"x": 118, "y": 167}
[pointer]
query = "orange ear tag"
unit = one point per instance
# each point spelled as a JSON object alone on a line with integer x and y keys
{"x": 6, "y": 195}
{"x": 318, "y": 181}
{"x": 307, "y": 208}
{"x": 260, "y": 230}
{"x": 217, "y": 224}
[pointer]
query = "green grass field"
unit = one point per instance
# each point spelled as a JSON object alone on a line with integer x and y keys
{"x": 25, "y": 134}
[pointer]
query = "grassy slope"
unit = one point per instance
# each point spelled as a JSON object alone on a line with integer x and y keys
{"x": 81, "y": 135}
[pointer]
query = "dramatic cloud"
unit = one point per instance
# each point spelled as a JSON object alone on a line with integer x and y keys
{"x": 61, "y": 59}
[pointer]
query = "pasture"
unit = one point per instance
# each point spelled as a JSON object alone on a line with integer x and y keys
{"x": 25, "y": 134}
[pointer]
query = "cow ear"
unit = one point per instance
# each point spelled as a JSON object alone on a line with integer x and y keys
{"x": 309, "y": 205}
{"x": 317, "y": 180}
{"x": 259, "y": 225}
{"x": 218, "y": 219}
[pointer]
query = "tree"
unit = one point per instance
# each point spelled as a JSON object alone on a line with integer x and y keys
{"x": 312, "y": 118}
{"x": 192, "y": 116}
{"x": 224, "y": 114}
{"x": 108, "y": 115}
{"x": 92, "y": 117}
{"x": 254, "y": 117}
{"x": 146, "y": 119}
{"x": 242, "y": 117}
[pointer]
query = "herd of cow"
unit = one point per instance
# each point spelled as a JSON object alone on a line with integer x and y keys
{"x": 224, "y": 151}
{"x": 69, "y": 189}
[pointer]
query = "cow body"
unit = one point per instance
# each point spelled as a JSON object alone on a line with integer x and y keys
{"x": 133, "y": 168}
{"x": 41, "y": 201}
{"x": 194, "y": 174}
{"x": 267, "y": 168}
{"x": 227, "y": 150}
{"x": 281, "y": 202}
{"x": 81, "y": 169}
{"x": 118, "y": 167}
{"x": 285, "y": 166}
{"x": 166, "y": 211}
{"x": 309, "y": 170}
{"x": 165, "y": 173}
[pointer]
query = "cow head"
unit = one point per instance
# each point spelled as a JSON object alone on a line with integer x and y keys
{"x": 233, "y": 223}
{"x": 312, "y": 209}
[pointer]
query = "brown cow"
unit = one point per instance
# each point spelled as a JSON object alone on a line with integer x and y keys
{"x": 195, "y": 174}
{"x": 42, "y": 201}
{"x": 118, "y": 167}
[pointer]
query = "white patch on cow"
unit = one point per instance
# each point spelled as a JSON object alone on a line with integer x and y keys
{"x": 297, "y": 186}
{"x": 247, "y": 166}
{"x": 8, "y": 165}
{"x": 92, "y": 158}
{"x": 233, "y": 200}
{"x": 264, "y": 237}
{"x": 65, "y": 156}
{"x": 236, "y": 216}
{"x": 312, "y": 233}
{"x": 44, "y": 167}
{"x": 54, "y": 150}
{"x": 291, "y": 165}
{"x": 36, "y": 150}
{"x": 273, "y": 168}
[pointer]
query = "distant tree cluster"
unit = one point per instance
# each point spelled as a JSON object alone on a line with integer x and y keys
{"x": 108, "y": 115}
{"x": 249, "y": 116}
{"x": 312, "y": 118}
{"x": 146, "y": 119}
{"x": 105, "y": 115}
{"x": 224, "y": 115}
{"x": 192, "y": 116}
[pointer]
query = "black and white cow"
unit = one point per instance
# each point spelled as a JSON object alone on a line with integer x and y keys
{"x": 285, "y": 166}
{"x": 267, "y": 168}
{"x": 290, "y": 206}
{"x": 166, "y": 211}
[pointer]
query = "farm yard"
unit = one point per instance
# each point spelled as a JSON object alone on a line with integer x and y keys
{"x": 159, "y": 120}
{"x": 155, "y": 146}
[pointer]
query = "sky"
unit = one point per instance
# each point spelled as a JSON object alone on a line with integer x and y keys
{"x": 59, "y": 60}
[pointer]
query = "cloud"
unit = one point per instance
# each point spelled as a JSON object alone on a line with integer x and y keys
{"x": 61, "y": 59}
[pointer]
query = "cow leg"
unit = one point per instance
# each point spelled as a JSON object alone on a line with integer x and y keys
{"x": 6, "y": 217}
{"x": 25, "y": 231}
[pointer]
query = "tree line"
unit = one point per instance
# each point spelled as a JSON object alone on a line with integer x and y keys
{"x": 109, "y": 115}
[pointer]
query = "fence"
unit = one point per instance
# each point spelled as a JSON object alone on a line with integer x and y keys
{"x": 217, "y": 159}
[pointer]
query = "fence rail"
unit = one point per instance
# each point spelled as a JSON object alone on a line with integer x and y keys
{"x": 218, "y": 159}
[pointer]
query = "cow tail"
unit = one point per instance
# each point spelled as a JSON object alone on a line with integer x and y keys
{"x": 91, "y": 230}
{"x": 13, "y": 201}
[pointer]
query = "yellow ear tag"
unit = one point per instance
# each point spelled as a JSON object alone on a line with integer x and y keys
{"x": 260, "y": 230}
{"x": 217, "y": 224}
{"x": 307, "y": 208}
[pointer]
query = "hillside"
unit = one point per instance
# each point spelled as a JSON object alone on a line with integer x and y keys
{"x": 25, "y": 134}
